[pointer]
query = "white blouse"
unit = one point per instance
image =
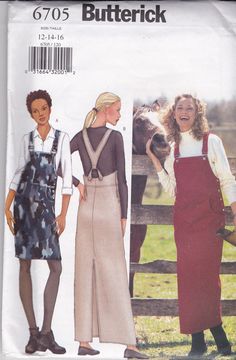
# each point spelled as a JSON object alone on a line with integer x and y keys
{"x": 218, "y": 161}
{"x": 63, "y": 154}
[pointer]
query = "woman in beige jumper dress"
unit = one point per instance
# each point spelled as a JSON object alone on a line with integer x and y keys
{"x": 102, "y": 300}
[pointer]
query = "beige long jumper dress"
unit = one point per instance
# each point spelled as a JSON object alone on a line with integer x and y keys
{"x": 102, "y": 300}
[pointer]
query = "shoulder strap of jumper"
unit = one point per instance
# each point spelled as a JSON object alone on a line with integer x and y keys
{"x": 94, "y": 155}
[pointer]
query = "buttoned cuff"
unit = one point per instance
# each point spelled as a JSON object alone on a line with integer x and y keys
{"x": 67, "y": 191}
{"x": 161, "y": 174}
{"x": 13, "y": 186}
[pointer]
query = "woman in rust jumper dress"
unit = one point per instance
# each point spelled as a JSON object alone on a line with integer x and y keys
{"x": 102, "y": 300}
{"x": 196, "y": 170}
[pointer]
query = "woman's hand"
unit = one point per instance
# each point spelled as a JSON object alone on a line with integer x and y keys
{"x": 82, "y": 191}
{"x": 10, "y": 220}
{"x": 60, "y": 223}
{"x": 123, "y": 226}
{"x": 152, "y": 157}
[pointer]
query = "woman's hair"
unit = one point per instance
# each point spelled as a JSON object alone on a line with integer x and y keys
{"x": 104, "y": 99}
{"x": 199, "y": 127}
{"x": 38, "y": 94}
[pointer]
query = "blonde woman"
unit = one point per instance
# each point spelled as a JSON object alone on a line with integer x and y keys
{"x": 196, "y": 171}
{"x": 102, "y": 300}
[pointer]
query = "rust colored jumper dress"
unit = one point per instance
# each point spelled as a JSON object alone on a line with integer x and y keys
{"x": 198, "y": 214}
{"x": 102, "y": 300}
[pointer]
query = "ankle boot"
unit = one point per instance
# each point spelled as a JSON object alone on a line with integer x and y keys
{"x": 222, "y": 343}
{"x": 198, "y": 347}
{"x": 47, "y": 342}
{"x": 32, "y": 345}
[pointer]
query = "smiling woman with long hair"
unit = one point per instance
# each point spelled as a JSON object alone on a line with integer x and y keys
{"x": 195, "y": 172}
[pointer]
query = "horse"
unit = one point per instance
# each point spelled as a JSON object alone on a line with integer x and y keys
{"x": 146, "y": 125}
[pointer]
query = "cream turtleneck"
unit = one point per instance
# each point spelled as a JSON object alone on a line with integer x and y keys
{"x": 218, "y": 161}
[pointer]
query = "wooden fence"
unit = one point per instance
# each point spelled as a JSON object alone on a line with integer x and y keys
{"x": 161, "y": 214}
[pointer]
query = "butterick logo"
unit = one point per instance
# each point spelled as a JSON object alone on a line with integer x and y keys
{"x": 113, "y": 13}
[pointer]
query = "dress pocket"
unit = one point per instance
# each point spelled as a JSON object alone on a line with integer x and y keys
{"x": 50, "y": 192}
{"x": 21, "y": 188}
{"x": 194, "y": 215}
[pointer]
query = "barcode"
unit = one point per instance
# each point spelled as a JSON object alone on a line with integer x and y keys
{"x": 50, "y": 58}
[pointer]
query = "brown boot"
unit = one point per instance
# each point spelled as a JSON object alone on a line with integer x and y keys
{"x": 32, "y": 345}
{"x": 47, "y": 342}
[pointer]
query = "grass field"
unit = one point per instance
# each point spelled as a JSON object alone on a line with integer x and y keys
{"x": 159, "y": 336}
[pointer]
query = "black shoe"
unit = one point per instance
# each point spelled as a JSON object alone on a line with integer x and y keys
{"x": 132, "y": 354}
{"x": 225, "y": 350}
{"x": 87, "y": 351}
{"x": 32, "y": 345}
{"x": 222, "y": 343}
{"x": 194, "y": 352}
{"x": 47, "y": 342}
{"x": 198, "y": 347}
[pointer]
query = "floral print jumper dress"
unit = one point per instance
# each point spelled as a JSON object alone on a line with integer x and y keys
{"x": 34, "y": 206}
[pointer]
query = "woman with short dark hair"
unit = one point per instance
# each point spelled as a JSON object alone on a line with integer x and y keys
{"x": 34, "y": 225}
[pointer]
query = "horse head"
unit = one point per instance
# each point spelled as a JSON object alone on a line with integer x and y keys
{"x": 146, "y": 125}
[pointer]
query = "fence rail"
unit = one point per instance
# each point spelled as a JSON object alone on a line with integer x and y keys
{"x": 141, "y": 165}
{"x": 169, "y": 267}
{"x": 169, "y": 307}
{"x": 161, "y": 214}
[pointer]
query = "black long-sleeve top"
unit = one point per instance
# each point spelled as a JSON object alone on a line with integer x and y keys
{"x": 111, "y": 159}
